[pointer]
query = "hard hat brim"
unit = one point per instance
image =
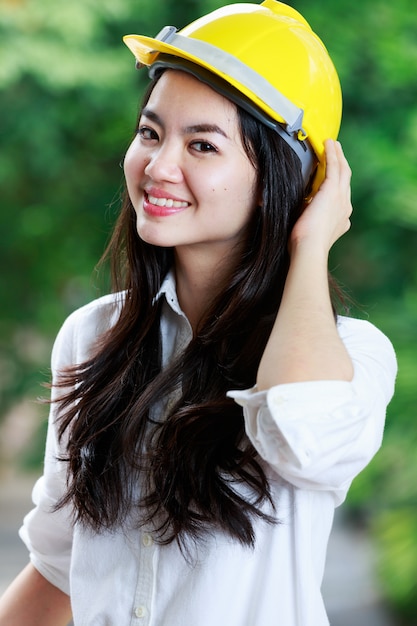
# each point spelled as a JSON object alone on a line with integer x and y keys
{"x": 146, "y": 50}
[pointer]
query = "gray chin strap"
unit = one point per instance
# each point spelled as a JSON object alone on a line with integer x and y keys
{"x": 302, "y": 149}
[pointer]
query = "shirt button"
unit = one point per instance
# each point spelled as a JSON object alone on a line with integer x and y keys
{"x": 140, "y": 611}
{"x": 147, "y": 540}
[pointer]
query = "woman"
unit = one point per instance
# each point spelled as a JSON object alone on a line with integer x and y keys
{"x": 209, "y": 415}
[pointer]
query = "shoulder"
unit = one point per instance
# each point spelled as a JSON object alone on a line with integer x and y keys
{"x": 82, "y": 328}
{"x": 102, "y": 312}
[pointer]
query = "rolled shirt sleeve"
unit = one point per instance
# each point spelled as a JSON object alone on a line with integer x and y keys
{"x": 48, "y": 537}
{"x": 48, "y": 534}
{"x": 321, "y": 434}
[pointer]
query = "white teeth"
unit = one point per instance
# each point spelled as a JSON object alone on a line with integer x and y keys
{"x": 168, "y": 202}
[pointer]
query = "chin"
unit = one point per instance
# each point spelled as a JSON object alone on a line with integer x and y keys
{"x": 154, "y": 239}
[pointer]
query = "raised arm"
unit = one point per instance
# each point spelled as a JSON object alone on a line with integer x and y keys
{"x": 304, "y": 344}
{"x": 32, "y": 601}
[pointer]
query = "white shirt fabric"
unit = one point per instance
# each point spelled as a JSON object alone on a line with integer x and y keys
{"x": 313, "y": 437}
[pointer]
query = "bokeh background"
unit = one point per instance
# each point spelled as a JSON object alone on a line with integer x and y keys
{"x": 68, "y": 100}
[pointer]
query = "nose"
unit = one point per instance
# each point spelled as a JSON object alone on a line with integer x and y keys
{"x": 164, "y": 164}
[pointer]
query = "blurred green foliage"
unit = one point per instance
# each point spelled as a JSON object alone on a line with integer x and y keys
{"x": 68, "y": 100}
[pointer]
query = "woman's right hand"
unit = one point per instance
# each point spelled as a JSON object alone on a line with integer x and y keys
{"x": 327, "y": 217}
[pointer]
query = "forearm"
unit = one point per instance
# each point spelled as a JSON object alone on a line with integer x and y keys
{"x": 32, "y": 601}
{"x": 304, "y": 344}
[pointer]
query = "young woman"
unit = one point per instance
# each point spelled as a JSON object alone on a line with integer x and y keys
{"x": 208, "y": 416}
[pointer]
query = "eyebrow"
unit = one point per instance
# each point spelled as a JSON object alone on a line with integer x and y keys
{"x": 188, "y": 130}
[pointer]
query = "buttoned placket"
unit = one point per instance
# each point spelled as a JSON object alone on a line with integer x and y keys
{"x": 148, "y": 549}
{"x": 142, "y": 610}
{"x": 174, "y": 344}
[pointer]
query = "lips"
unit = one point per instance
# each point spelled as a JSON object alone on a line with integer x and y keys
{"x": 167, "y": 202}
{"x": 160, "y": 205}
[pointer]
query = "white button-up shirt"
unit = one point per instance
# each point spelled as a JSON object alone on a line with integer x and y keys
{"x": 313, "y": 438}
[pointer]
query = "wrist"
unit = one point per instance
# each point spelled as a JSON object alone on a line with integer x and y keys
{"x": 310, "y": 250}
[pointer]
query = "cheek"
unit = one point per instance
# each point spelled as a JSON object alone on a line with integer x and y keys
{"x": 134, "y": 163}
{"x": 243, "y": 186}
{"x": 237, "y": 180}
{"x": 133, "y": 167}
{"x": 129, "y": 163}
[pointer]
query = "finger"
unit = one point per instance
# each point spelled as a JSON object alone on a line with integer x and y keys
{"x": 336, "y": 162}
{"x": 345, "y": 171}
{"x": 345, "y": 177}
{"x": 332, "y": 159}
{"x": 339, "y": 171}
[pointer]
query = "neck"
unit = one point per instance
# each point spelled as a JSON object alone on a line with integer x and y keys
{"x": 199, "y": 279}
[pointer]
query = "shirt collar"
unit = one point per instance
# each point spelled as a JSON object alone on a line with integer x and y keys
{"x": 169, "y": 290}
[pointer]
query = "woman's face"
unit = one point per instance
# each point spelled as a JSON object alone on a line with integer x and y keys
{"x": 189, "y": 178}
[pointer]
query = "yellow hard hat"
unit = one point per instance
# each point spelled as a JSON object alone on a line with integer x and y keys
{"x": 275, "y": 65}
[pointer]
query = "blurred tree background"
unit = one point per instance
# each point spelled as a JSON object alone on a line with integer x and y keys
{"x": 68, "y": 100}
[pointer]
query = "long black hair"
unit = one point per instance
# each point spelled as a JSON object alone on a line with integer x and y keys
{"x": 182, "y": 472}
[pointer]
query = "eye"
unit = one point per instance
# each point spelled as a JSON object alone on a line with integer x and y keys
{"x": 203, "y": 146}
{"x": 147, "y": 133}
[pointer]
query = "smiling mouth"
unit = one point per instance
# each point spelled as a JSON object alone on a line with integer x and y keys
{"x": 167, "y": 202}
